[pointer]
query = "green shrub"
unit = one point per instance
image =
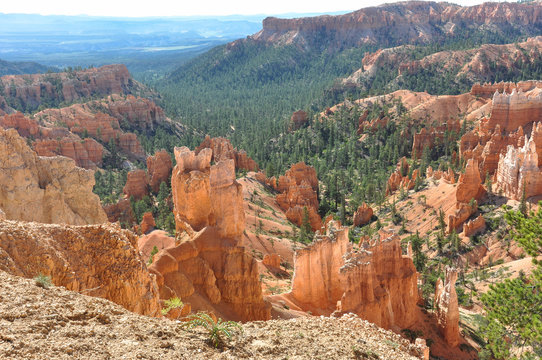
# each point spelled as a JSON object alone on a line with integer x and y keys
{"x": 216, "y": 329}
{"x": 173, "y": 303}
{"x": 43, "y": 281}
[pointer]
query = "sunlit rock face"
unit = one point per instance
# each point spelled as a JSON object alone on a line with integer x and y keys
{"x": 374, "y": 281}
{"x": 45, "y": 189}
{"x": 208, "y": 267}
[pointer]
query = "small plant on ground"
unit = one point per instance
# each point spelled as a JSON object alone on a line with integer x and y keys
{"x": 216, "y": 329}
{"x": 43, "y": 281}
{"x": 173, "y": 303}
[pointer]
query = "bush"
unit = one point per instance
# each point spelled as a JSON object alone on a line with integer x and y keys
{"x": 43, "y": 281}
{"x": 173, "y": 303}
{"x": 216, "y": 329}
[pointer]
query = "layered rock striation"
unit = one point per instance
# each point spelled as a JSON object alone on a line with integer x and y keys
{"x": 33, "y": 90}
{"x": 45, "y": 189}
{"x": 409, "y": 22}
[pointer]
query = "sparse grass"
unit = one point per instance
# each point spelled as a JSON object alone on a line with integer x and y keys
{"x": 43, "y": 281}
{"x": 216, "y": 329}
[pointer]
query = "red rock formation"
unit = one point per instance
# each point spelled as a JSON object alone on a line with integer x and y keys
{"x": 299, "y": 119}
{"x": 397, "y": 180}
{"x": 73, "y": 86}
{"x": 474, "y": 226}
{"x": 409, "y": 22}
{"x": 87, "y": 153}
{"x": 25, "y": 126}
{"x": 297, "y": 189}
{"x": 446, "y": 307}
{"x": 141, "y": 113}
{"x": 208, "y": 269}
{"x": 272, "y": 260}
{"x": 488, "y": 90}
{"x": 222, "y": 149}
{"x": 158, "y": 238}
{"x": 469, "y": 188}
{"x": 510, "y": 115}
{"x": 121, "y": 211}
{"x": 159, "y": 169}
{"x": 136, "y": 184}
{"x": 131, "y": 145}
{"x": 469, "y": 185}
{"x": 462, "y": 213}
{"x": 363, "y": 215}
{"x": 427, "y": 137}
{"x": 375, "y": 282}
{"x": 147, "y": 223}
{"x": 44, "y": 189}
{"x": 80, "y": 258}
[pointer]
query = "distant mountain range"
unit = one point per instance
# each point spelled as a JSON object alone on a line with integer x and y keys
{"x": 21, "y": 67}
{"x": 153, "y": 44}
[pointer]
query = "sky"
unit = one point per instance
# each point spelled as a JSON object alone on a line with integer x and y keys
{"x": 133, "y": 8}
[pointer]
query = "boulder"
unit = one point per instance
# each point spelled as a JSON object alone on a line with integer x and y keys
{"x": 45, "y": 189}
{"x": 363, "y": 215}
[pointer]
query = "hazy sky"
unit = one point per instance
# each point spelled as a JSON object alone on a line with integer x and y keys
{"x": 185, "y": 7}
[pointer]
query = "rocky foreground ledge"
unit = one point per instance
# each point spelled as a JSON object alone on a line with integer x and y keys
{"x": 55, "y": 323}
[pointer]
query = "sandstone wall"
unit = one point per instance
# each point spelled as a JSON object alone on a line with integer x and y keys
{"x": 45, "y": 189}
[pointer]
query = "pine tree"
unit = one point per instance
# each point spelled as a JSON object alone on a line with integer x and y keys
{"x": 514, "y": 306}
{"x": 305, "y": 231}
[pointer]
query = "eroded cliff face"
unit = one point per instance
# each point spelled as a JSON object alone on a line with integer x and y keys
{"x": 209, "y": 268}
{"x": 374, "y": 281}
{"x": 33, "y": 90}
{"x": 223, "y": 149}
{"x": 80, "y": 258}
{"x": 512, "y": 114}
{"x": 408, "y": 22}
{"x": 45, "y": 189}
{"x": 447, "y": 308}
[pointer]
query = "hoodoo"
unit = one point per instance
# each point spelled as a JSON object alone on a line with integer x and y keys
{"x": 209, "y": 268}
